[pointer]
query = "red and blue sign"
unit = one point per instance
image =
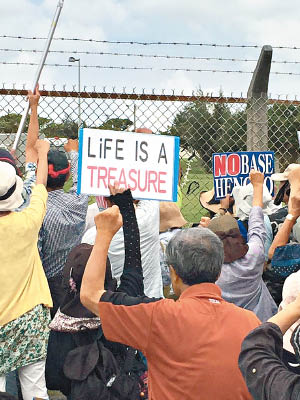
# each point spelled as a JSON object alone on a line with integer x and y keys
{"x": 233, "y": 169}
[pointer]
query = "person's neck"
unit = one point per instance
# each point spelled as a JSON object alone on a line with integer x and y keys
{"x": 183, "y": 287}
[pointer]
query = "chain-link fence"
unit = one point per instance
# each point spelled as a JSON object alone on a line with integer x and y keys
{"x": 205, "y": 125}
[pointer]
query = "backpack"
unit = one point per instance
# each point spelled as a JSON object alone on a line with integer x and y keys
{"x": 95, "y": 373}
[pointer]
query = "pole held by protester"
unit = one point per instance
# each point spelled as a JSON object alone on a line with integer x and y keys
{"x": 39, "y": 70}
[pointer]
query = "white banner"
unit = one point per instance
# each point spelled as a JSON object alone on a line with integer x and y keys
{"x": 147, "y": 163}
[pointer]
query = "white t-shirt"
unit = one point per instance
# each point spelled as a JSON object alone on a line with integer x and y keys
{"x": 92, "y": 211}
{"x": 147, "y": 214}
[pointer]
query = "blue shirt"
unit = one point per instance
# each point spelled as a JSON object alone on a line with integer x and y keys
{"x": 63, "y": 226}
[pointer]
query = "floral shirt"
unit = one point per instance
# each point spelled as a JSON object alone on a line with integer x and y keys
{"x": 28, "y": 184}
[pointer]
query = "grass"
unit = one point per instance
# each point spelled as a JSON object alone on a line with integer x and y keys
{"x": 191, "y": 207}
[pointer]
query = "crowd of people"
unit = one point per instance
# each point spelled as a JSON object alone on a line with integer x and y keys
{"x": 128, "y": 303}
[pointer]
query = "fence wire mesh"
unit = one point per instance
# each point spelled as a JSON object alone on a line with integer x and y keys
{"x": 205, "y": 125}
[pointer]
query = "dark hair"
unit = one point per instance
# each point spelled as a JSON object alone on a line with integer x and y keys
{"x": 196, "y": 254}
{"x": 60, "y": 162}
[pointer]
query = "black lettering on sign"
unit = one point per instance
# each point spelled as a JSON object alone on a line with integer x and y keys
{"x": 143, "y": 150}
{"x": 106, "y": 147}
{"x": 89, "y": 149}
{"x": 136, "y": 149}
{"x": 119, "y": 149}
{"x": 162, "y": 154}
{"x": 100, "y": 149}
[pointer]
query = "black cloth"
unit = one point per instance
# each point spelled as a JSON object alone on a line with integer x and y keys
{"x": 131, "y": 289}
{"x": 57, "y": 293}
{"x": 274, "y": 284}
{"x": 72, "y": 278}
{"x": 6, "y": 396}
{"x": 261, "y": 363}
{"x": 60, "y": 344}
{"x": 131, "y": 281}
{"x": 277, "y": 219}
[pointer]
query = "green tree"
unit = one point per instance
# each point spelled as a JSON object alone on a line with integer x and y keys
{"x": 116, "y": 124}
{"x": 9, "y": 123}
{"x": 284, "y": 122}
{"x": 210, "y": 128}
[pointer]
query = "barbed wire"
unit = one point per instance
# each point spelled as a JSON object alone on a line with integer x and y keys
{"x": 150, "y": 43}
{"x": 145, "y": 68}
{"x": 165, "y": 56}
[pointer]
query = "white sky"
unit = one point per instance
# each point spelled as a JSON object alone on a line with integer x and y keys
{"x": 245, "y": 22}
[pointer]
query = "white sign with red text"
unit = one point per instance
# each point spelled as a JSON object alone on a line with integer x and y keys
{"x": 147, "y": 164}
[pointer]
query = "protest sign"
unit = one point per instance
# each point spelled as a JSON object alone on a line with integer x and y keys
{"x": 146, "y": 163}
{"x": 232, "y": 169}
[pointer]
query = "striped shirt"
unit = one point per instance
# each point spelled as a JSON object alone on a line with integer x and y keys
{"x": 63, "y": 226}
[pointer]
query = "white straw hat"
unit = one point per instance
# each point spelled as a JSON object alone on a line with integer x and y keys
{"x": 11, "y": 187}
{"x": 283, "y": 176}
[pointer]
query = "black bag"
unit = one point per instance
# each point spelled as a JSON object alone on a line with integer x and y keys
{"x": 96, "y": 373}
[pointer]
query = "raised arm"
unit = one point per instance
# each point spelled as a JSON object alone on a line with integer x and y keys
{"x": 71, "y": 147}
{"x": 132, "y": 276}
{"x": 284, "y": 232}
{"x": 256, "y": 226}
{"x": 107, "y": 222}
{"x": 257, "y": 180}
{"x": 288, "y": 316}
{"x": 42, "y": 148}
{"x": 33, "y": 128}
{"x": 37, "y": 206}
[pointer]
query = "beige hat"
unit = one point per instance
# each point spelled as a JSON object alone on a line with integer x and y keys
{"x": 170, "y": 216}
{"x": 223, "y": 224}
{"x": 283, "y": 176}
{"x": 206, "y": 197}
{"x": 11, "y": 187}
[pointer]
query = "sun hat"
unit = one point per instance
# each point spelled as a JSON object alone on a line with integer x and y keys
{"x": 223, "y": 224}
{"x": 207, "y": 201}
{"x": 11, "y": 187}
{"x": 283, "y": 176}
{"x": 170, "y": 216}
{"x": 227, "y": 229}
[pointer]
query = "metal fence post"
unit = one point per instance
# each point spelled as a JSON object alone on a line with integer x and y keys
{"x": 257, "y": 113}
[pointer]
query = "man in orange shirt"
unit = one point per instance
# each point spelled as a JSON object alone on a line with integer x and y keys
{"x": 192, "y": 345}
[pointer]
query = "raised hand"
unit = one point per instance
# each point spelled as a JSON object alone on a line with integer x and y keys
{"x": 115, "y": 189}
{"x": 109, "y": 221}
{"x": 205, "y": 222}
{"x": 256, "y": 177}
{"x": 42, "y": 146}
{"x": 34, "y": 98}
